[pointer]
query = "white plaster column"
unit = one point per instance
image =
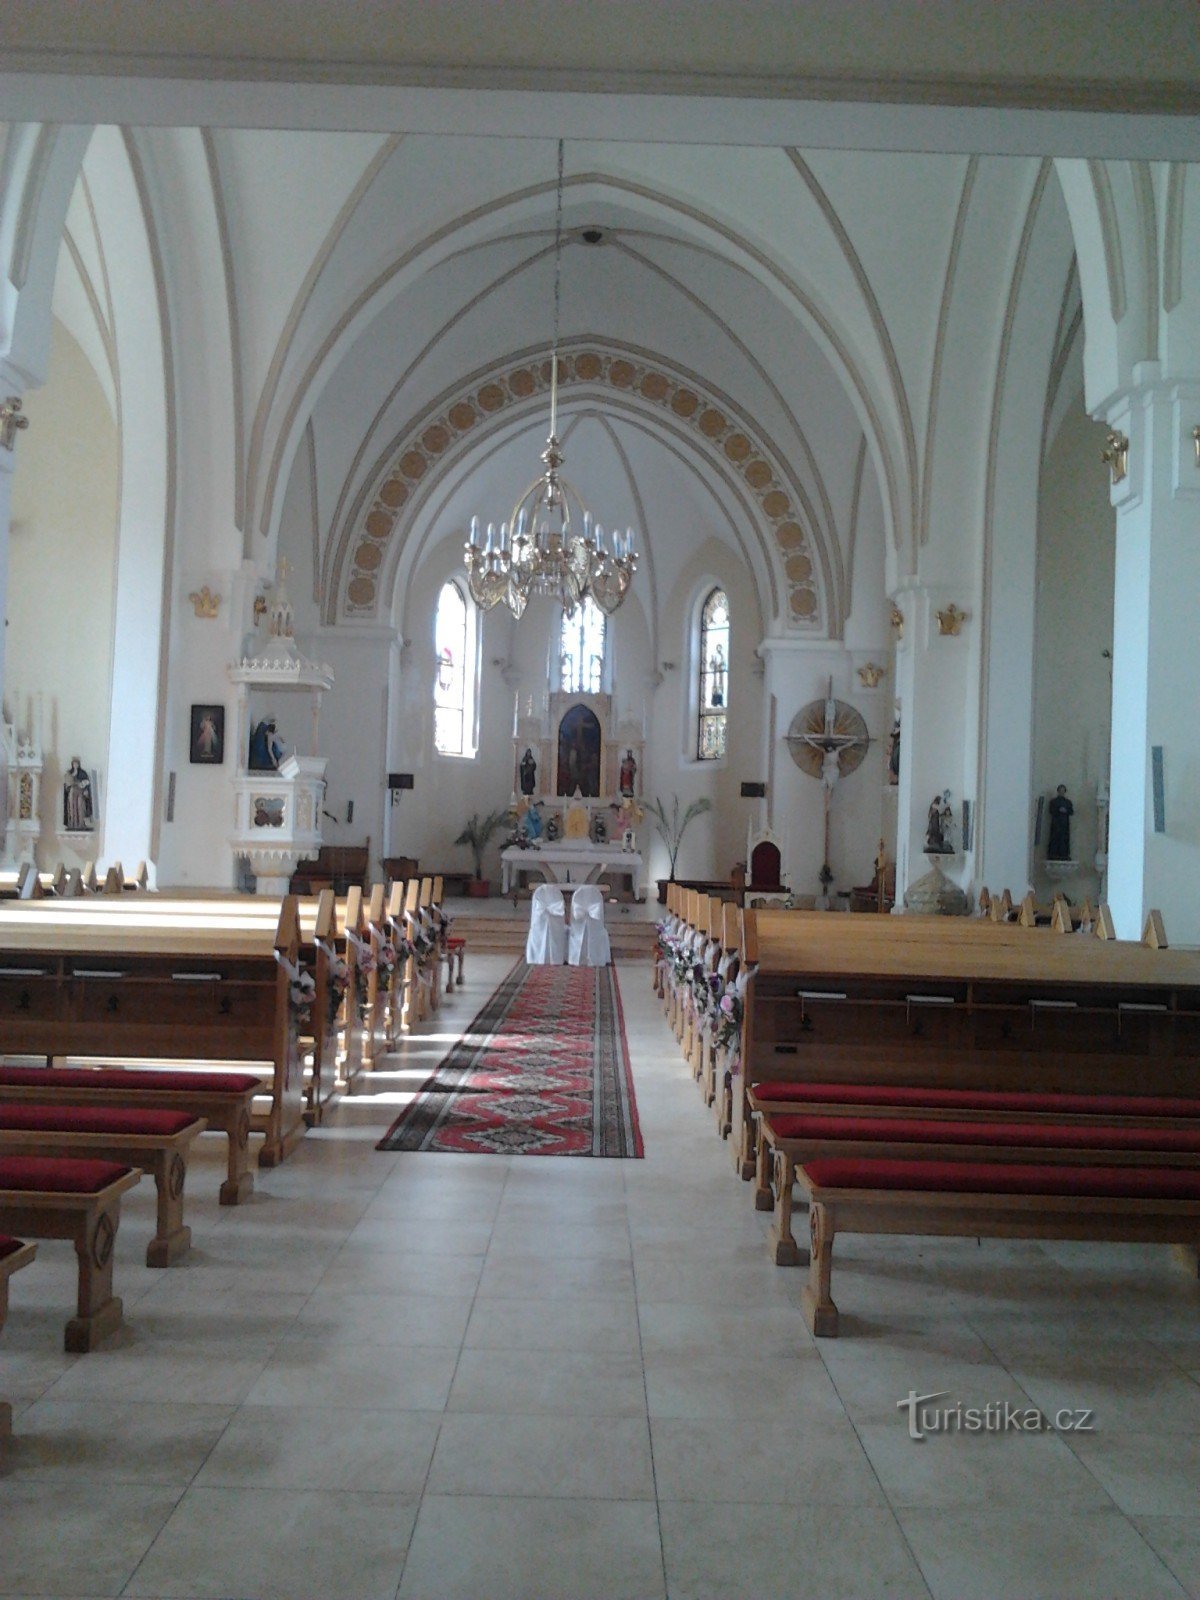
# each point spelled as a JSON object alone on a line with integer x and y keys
{"x": 1156, "y": 659}
{"x": 933, "y": 675}
{"x": 8, "y": 391}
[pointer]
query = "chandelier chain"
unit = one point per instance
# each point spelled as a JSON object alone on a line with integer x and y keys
{"x": 557, "y": 294}
{"x": 550, "y": 545}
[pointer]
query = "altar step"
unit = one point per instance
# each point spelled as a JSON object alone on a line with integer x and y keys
{"x": 632, "y": 939}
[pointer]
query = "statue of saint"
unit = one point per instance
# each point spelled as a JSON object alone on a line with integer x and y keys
{"x": 77, "y": 799}
{"x": 266, "y": 747}
{"x": 893, "y": 753}
{"x": 935, "y": 838}
{"x": 528, "y": 773}
{"x": 628, "y": 774}
{"x": 531, "y": 824}
{"x": 1061, "y": 811}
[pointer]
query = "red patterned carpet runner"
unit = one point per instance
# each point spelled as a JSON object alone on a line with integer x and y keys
{"x": 542, "y": 1071}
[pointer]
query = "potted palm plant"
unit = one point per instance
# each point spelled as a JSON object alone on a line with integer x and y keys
{"x": 672, "y": 827}
{"x": 476, "y": 833}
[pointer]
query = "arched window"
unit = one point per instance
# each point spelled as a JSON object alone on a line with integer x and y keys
{"x": 713, "y": 675}
{"x": 581, "y": 648}
{"x": 454, "y": 686}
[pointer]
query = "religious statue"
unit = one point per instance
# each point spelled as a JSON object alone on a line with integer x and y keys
{"x": 628, "y": 774}
{"x": 937, "y": 842}
{"x": 78, "y": 816}
{"x": 599, "y": 829}
{"x": 266, "y": 747}
{"x": 1061, "y": 811}
{"x": 528, "y": 773}
{"x": 531, "y": 824}
{"x": 893, "y": 752}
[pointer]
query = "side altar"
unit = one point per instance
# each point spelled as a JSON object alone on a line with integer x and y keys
{"x": 277, "y": 795}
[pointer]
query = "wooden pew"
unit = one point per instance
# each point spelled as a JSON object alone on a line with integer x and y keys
{"x": 118, "y": 980}
{"x": 80, "y": 1201}
{"x": 952, "y": 1001}
{"x": 14, "y": 1254}
{"x": 791, "y": 1140}
{"x": 374, "y": 994}
{"x": 986, "y": 1201}
{"x": 156, "y": 1142}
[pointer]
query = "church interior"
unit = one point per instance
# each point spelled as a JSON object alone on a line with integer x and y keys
{"x": 860, "y": 345}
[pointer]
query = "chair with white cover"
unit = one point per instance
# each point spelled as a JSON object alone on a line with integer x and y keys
{"x": 589, "y": 936}
{"x": 547, "y": 941}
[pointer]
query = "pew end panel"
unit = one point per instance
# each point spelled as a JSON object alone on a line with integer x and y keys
{"x": 88, "y": 1214}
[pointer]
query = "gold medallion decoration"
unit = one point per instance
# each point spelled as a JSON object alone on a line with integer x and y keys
{"x": 431, "y": 436}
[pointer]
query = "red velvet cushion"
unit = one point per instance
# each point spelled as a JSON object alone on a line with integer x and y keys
{"x": 879, "y": 1094}
{"x": 93, "y": 1119}
{"x": 126, "y": 1078}
{"x": 1047, "y": 1135}
{"x": 60, "y": 1177}
{"x": 8, "y": 1244}
{"x": 971, "y": 1177}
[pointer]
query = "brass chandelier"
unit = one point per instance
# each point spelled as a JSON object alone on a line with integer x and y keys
{"x": 550, "y": 544}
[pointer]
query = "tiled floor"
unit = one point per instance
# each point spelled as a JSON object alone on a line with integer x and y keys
{"x": 519, "y": 1379}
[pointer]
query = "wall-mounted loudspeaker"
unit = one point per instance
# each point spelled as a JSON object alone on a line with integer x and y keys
{"x": 754, "y": 791}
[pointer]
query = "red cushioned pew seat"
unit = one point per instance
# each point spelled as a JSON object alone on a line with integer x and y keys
{"x": 80, "y": 1201}
{"x": 1158, "y": 1140}
{"x": 1158, "y": 1205}
{"x": 222, "y": 1099}
{"x": 157, "y": 1142}
{"x": 1022, "y": 1102}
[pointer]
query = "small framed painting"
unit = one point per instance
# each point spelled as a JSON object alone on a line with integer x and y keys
{"x": 208, "y": 736}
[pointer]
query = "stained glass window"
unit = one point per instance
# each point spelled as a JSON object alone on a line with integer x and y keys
{"x": 450, "y": 687}
{"x": 581, "y": 649}
{"x": 714, "y": 676}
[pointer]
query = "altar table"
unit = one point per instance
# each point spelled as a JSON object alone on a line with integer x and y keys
{"x": 571, "y": 862}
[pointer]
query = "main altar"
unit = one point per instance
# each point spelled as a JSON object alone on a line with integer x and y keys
{"x": 577, "y": 782}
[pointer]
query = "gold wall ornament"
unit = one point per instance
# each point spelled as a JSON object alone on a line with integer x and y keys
{"x": 204, "y": 602}
{"x": 898, "y": 620}
{"x": 12, "y": 420}
{"x": 1115, "y": 455}
{"x": 950, "y": 620}
{"x": 871, "y": 674}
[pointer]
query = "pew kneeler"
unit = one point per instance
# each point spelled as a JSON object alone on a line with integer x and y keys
{"x": 157, "y": 1142}
{"x": 963, "y": 1200}
{"x": 222, "y": 1099}
{"x": 80, "y": 1201}
{"x": 14, "y": 1254}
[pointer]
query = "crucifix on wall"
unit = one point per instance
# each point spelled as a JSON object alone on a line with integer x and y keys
{"x": 828, "y": 739}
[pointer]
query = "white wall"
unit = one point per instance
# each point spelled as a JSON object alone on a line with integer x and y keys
{"x": 1072, "y": 678}
{"x": 62, "y": 552}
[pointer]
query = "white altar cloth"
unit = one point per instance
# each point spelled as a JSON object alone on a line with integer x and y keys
{"x": 571, "y": 861}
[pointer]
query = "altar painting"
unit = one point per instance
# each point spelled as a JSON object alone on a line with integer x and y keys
{"x": 580, "y": 749}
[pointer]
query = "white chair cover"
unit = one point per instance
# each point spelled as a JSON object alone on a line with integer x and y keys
{"x": 589, "y": 936}
{"x": 547, "y": 941}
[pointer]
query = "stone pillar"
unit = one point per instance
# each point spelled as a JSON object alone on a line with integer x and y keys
{"x": 1156, "y": 658}
{"x": 932, "y": 678}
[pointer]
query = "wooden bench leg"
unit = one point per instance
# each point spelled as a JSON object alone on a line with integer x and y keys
{"x": 173, "y": 1239}
{"x": 764, "y": 1195}
{"x": 239, "y": 1180}
{"x": 98, "y": 1311}
{"x": 787, "y": 1252}
{"x": 819, "y": 1310}
{"x": 5, "y": 1408}
{"x": 744, "y": 1155}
